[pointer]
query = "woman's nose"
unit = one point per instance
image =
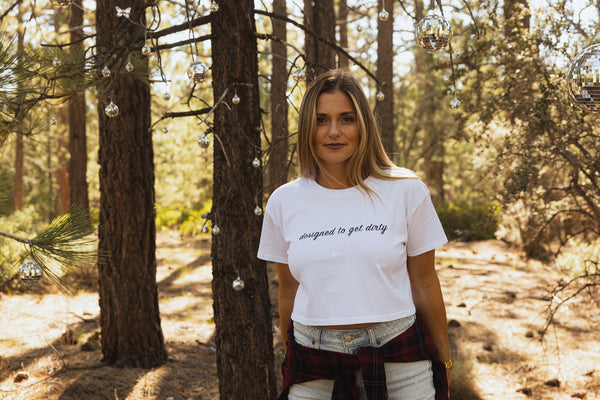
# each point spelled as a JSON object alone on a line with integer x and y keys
{"x": 333, "y": 129}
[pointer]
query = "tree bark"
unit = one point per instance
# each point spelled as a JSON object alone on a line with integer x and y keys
{"x": 278, "y": 157}
{"x": 77, "y": 176}
{"x": 385, "y": 74}
{"x": 319, "y": 16}
{"x": 243, "y": 335}
{"x": 129, "y": 318}
{"x": 342, "y": 23}
{"x": 20, "y": 134}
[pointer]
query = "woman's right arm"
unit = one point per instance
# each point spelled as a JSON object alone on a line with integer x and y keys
{"x": 287, "y": 293}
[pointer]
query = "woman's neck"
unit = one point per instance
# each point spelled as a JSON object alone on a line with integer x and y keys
{"x": 331, "y": 181}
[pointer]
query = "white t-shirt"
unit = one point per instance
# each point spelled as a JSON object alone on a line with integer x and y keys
{"x": 347, "y": 249}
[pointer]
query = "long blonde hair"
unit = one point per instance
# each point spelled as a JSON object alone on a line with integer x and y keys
{"x": 369, "y": 159}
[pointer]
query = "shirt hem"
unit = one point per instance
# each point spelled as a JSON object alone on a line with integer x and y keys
{"x": 425, "y": 249}
{"x": 354, "y": 320}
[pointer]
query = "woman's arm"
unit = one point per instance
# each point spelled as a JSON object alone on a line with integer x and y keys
{"x": 287, "y": 293}
{"x": 427, "y": 295}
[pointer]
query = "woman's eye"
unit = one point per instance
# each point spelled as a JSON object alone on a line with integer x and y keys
{"x": 348, "y": 119}
{"x": 321, "y": 121}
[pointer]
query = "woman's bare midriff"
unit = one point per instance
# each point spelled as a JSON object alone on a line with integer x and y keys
{"x": 347, "y": 327}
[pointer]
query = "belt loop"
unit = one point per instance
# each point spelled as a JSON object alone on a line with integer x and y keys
{"x": 318, "y": 338}
{"x": 372, "y": 338}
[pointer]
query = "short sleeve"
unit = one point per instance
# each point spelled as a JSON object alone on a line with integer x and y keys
{"x": 273, "y": 246}
{"x": 425, "y": 231}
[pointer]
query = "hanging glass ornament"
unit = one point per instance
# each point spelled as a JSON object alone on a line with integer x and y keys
{"x": 165, "y": 129}
{"x": 216, "y": 230}
{"x": 56, "y": 62}
{"x": 53, "y": 121}
{"x": 235, "y": 99}
{"x": 380, "y": 96}
{"x": 197, "y": 72}
{"x": 30, "y": 273}
{"x": 238, "y": 284}
{"x": 433, "y": 32}
{"x": 204, "y": 141}
{"x": 256, "y": 163}
{"x": 258, "y": 211}
{"x": 205, "y": 229}
{"x": 105, "y": 72}
{"x": 455, "y": 103}
{"x": 582, "y": 79}
{"x": 112, "y": 110}
{"x": 129, "y": 67}
{"x": 145, "y": 49}
{"x": 214, "y": 7}
{"x": 359, "y": 28}
{"x": 61, "y": 2}
{"x": 166, "y": 95}
{"x": 384, "y": 15}
{"x": 299, "y": 75}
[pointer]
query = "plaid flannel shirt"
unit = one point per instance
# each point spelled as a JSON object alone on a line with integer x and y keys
{"x": 303, "y": 364}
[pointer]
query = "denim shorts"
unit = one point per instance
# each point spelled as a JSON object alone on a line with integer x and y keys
{"x": 406, "y": 381}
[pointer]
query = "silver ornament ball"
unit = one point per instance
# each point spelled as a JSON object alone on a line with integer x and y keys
{"x": 204, "y": 141}
{"x": 258, "y": 211}
{"x": 235, "y": 99}
{"x": 384, "y": 15}
{"x": 61, "y": 2}
{"x": 197, "y": 72}
{"x": 433, "y": 32}
{"x": 455, "y": 103}
{"x": 166, "y": 96}
{"x": 105, "y": 72}
{"x": 205, "y": 229}
{"x": 56, "y": 62}
{"x": 30, "y": 273}
{"x": 129, "y": 67}
{"x": 216, "y": 230}
{"x": 145, "y": 49}
{"x": 299, "y": 75}
{"x": 380, "y": 96}
{"x": 165, "y": 129}
{"x": 53, "y": 121}
{"x": 111, "y": 110}
{"x": 583, "y": 79}
{"x": 214, "y": 7}
{"x": 256, "y": 163}
{"x": 238, "y": 284}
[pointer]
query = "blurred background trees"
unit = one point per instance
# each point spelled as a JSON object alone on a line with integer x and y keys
{"x": 517, "y": 161}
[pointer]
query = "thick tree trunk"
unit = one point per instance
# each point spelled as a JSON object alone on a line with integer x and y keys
{"x": 278, "y": 157}
{"x": 342, "y": 23}
{"x": 20, "y": 135}
{"x": 319, "y": 16}
{"x": 385, "y": 74}
{"x": 244, "y": 335}
{"x": 77, "y": 176}
{"x": 130, "y": 320}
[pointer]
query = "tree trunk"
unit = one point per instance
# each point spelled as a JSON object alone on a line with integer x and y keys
{"x": 244, "y": 335}
{"x": 319, "y": 16}
{"x": 433, "y": 141}
{"x": 385, "y": 74}
{"x": 130, "y": 320}
{"x": 278, "y": 156}
{"x": 342, "y": 23}
{"x": 77, "y": 176}
{"x": 20, "y": 134}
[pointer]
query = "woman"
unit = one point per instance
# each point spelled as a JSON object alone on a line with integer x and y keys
{"x": 353, "y": 240}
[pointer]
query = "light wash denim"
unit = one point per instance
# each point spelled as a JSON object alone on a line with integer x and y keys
{"x": 405, "y": 381}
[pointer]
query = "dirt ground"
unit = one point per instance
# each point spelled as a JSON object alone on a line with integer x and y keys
{"x": 496, "y": 302}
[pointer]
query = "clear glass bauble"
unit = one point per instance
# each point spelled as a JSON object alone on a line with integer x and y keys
{"x": 238, "y": 284}
{"x": 61, "y": 2}
{"x": 145, "y": 49}
{"x": 216, "y": 230}
{"x": 299, "y": 75}
{"x": 235, "y": 99}
{"x": 204, "y": 141}
{"x": 111, "y": 110}
{"x": 56, "y": 62}
{"x": 53, "y": 121}
{"x": 197, "y": 72}
{"x": 583, "y": 79}
{"x": 165, "y": 129}
{"x": 380, "y": 96}
{"x": 105, "y": 72}
{"x": 129, "y": 66}
{"x": 455, "y": 103}
{"x": 214, "y": 7}
{"x": 166, "y": 96}
{"x": 256, "y": 163}
{"x": 30, "y": 273}
{"x": 384, "y": 15}
{"x": 433, "y": 32}
{"x": 258, "y": 211}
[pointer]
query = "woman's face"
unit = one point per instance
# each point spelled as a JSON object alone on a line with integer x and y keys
{"x": 338, "y": 131}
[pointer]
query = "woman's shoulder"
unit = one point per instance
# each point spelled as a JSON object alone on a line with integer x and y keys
{"x": 290, "y": 188}
{"x": 400, "y": 172}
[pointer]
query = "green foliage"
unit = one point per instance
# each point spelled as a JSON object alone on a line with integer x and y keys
{"x": 468, "y": 222}
{"x": 21, "y": 223}
{"x": 188, "y": 222}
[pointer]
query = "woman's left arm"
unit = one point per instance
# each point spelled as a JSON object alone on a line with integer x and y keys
{"x": 427, "y": 295}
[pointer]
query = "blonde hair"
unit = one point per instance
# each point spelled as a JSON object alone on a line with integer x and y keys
{"x": 369, "y": 159}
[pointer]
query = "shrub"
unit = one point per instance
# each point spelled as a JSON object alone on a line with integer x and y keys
{"x": 470, "y": 222}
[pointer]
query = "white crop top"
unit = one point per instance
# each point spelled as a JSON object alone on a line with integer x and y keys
{"x": 347, "y": 249}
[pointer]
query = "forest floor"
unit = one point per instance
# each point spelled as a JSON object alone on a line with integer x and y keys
{"x": 496, "y": 303}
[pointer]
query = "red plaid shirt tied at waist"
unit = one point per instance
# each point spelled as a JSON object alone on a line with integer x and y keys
{"x": 303, "y": 364}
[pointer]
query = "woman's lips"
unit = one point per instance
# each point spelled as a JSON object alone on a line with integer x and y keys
{"x": 334, "y": 146}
